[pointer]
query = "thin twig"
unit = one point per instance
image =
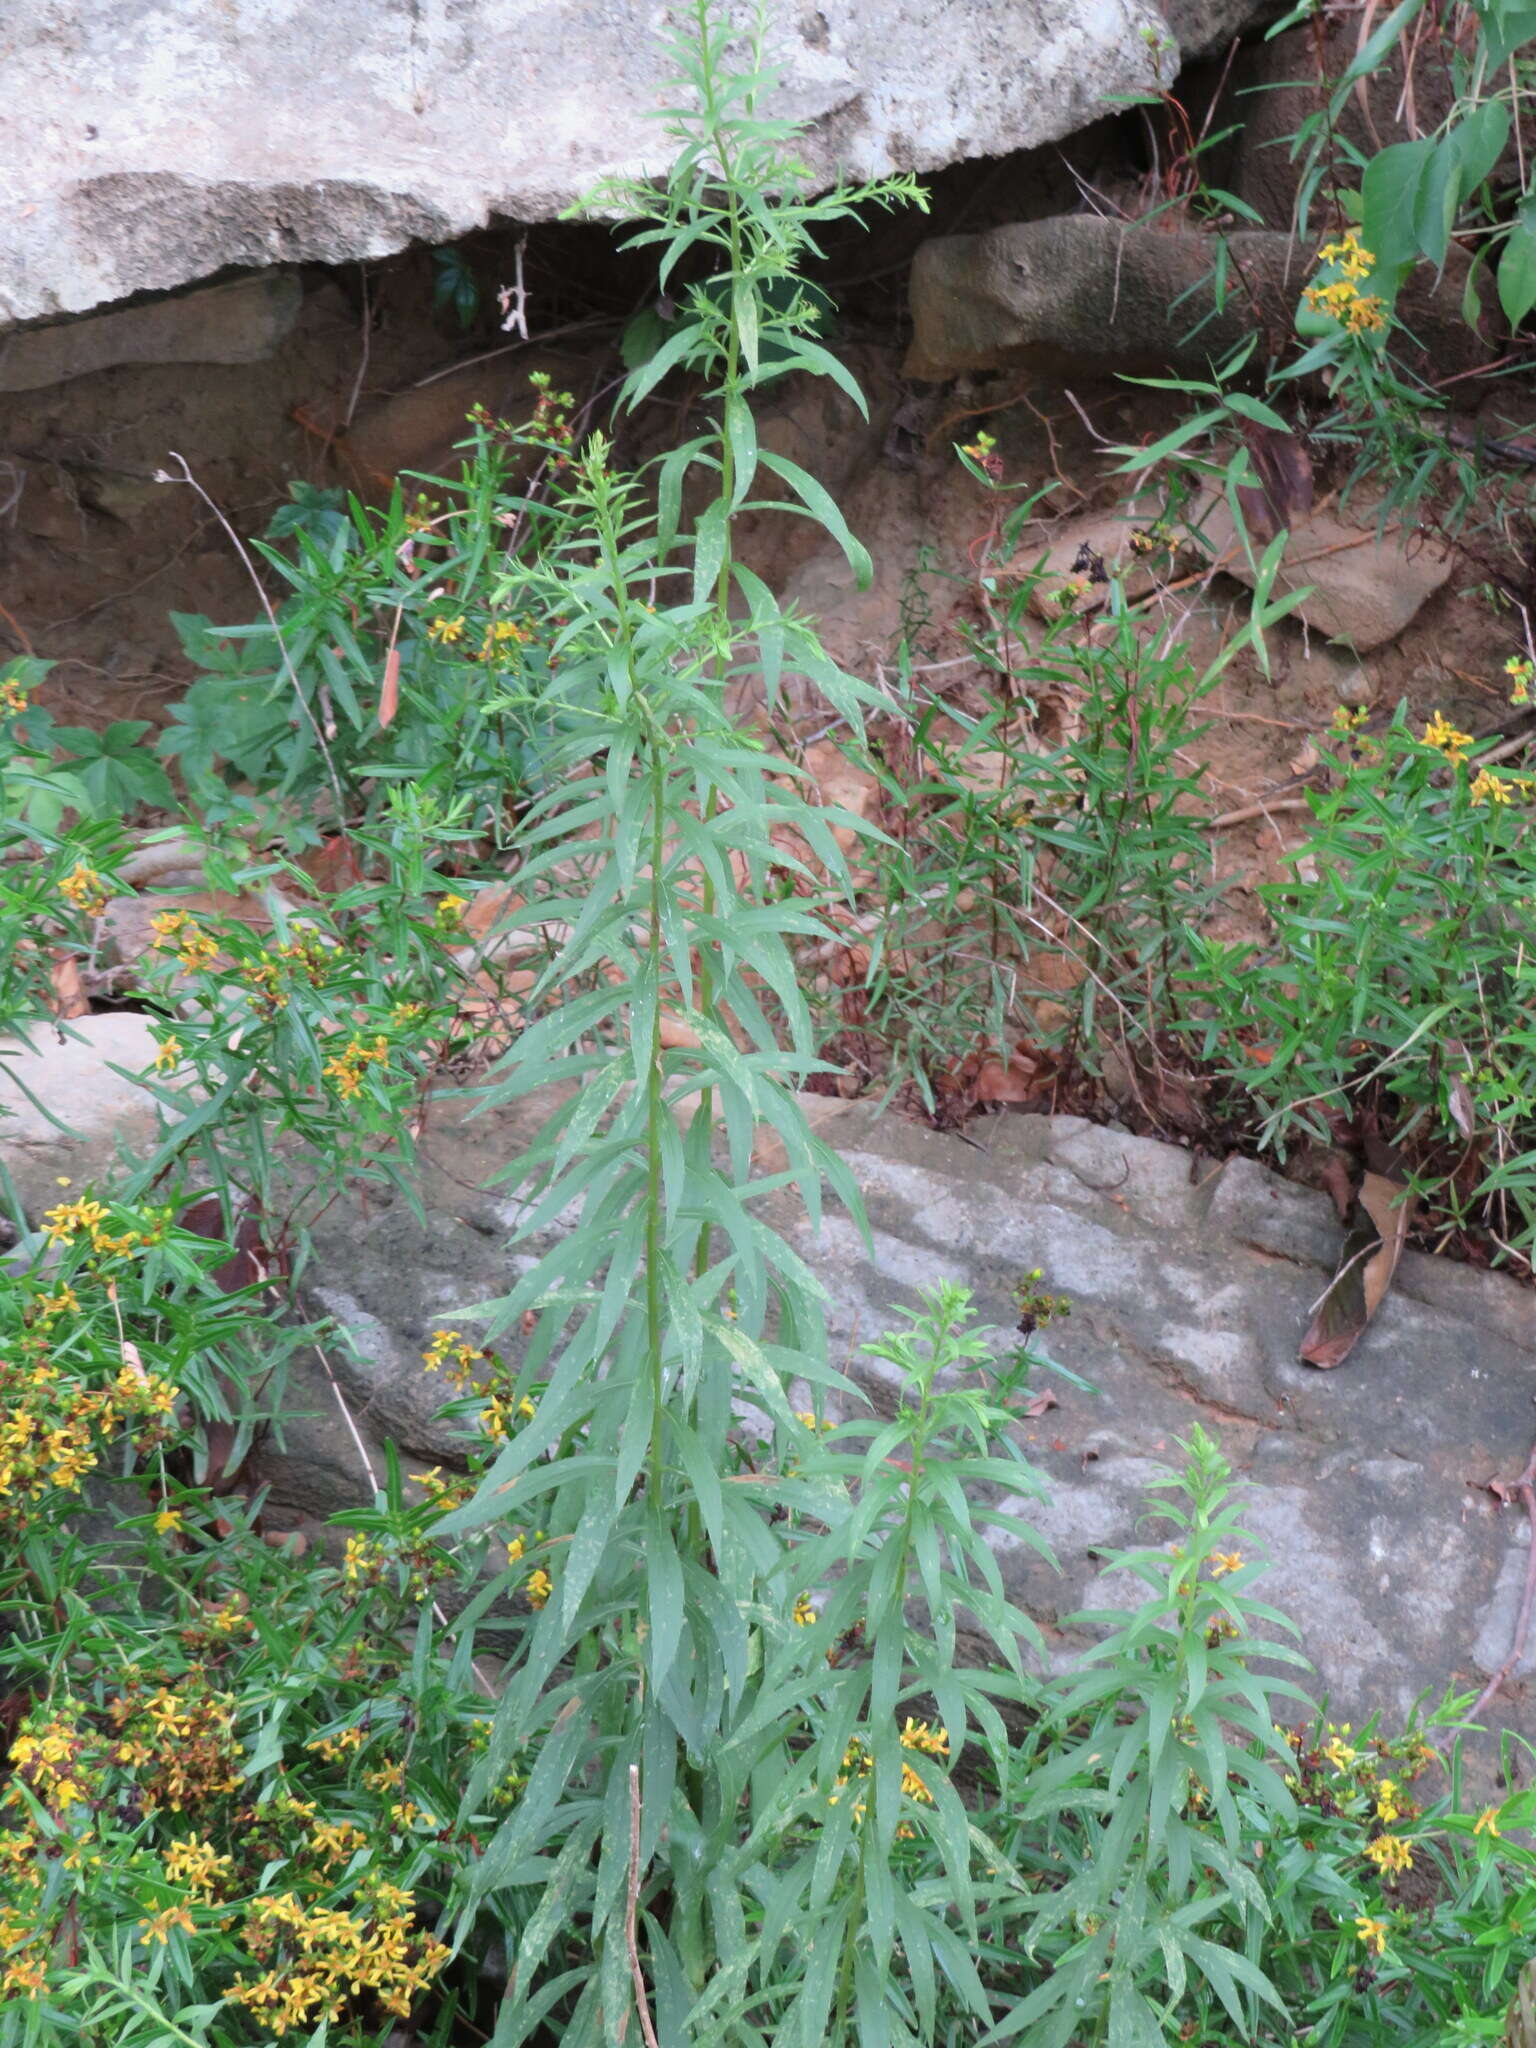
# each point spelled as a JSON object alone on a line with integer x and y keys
{"x": 1525, "y": 1486}
{"x": 362, "y": 367}
{"x": 163, "y": 476}
{"x": 1252, "y": 811}
{"x": 373, "y": 1480}
{"x": 632, "y": 1912}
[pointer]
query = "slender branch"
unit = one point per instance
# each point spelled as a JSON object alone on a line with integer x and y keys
{"x": 632, "y": 1913}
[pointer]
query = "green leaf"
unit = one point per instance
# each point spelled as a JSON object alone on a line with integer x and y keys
{"x": 823, "y": 508}
{"x": 1389, "y": 191}
{"x": 1517, "y": 267}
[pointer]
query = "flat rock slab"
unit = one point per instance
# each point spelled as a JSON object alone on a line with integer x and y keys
{"x": 1360, "y": 587}
{"x": 224, "y": 323}
{"x": 1190, "y": 1285}
{"x": 159, "y": 145}
{"x": 1080, "y": 295}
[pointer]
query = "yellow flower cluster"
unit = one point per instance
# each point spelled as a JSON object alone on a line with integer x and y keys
{"x": 1522, "y": 674}
{"x": 318, "y": 1958}
{"x": 198, "y": 1865}
{"x": 858, "y": 1762}
{"x": 56, "y": 1423}
{"x": 85, "y": 889}
{"x": 270, "y": 973}
{"x": 451, "y": 1350}
{"x": 446, "y": 632}
{"x": 501, "y": 633}
{"x": 1341, "y": 298}
{"x": 346, "y": 1070}
{"x": 67, "y": 1220}
{"x": 1444, "y": 737}
{"x": 176, "y": 932}
{"x": 13, "y": 697}
{"x": 448, "y": 915}
{"x": 1390, "y": 1854}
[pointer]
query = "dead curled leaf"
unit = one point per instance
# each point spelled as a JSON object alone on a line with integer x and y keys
{"x": 1374, "y": 1233}
{"x": 1038, "y": 1404}
{"x": 69, "y": 996}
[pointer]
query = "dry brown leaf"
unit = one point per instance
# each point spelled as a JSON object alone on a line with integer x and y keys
{"x": 69, "y": 996}
{"x": 1039, "y": 1404}
{"x": 1012, "y": 1080}
{"x": 1375, "y": 1231}
{"x": 389, "y": 695}
{"x": 1520, "y": 2022}
{"x": 1284, "y": 490}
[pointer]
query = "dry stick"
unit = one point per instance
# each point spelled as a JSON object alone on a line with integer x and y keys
{"x": 373, "y": 1480}
{"x": 362, "y": 367}
{"x": 1525, "y": 1486}
{"x": 632, "y": 1910}
{"x": 1252, "y": 811}
{"x": 161, "y": 476}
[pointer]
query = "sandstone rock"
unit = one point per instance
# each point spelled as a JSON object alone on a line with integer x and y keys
{"x": 226, "y": 323}
{"x": 1190, "y": 1285}
{"x": 71, "y": 1081}
{"x": 1363, "y": 589}
{"x": 159, "y": 148}
{"x": 1190, "y": 1289}
{"x": 1078, "y": 295}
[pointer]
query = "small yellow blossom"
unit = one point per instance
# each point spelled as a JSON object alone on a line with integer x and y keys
{"x": 158, "y": 1926}
{"x": 1372, "y": 1932}
{"x": 805, "y": 1613}
{"x": 1442, "y": 734}
{"x": 84, "y": 888}
{"x": 446, "y": 631}
{"x": 1390, "y": 1854}
{"x": 168, "y": 1055}
{"x": 1348, "y": 256}
{"x": 1522, "y": 674}
{"x": 1224, "y": 1561}
{"x": 1488, "y": 788}
{"x": 1487, "y": 1822}
{"x": 167, "y": 1520}
{"x": 1387, "y": 1808}
{"x": 539, "y": 1587}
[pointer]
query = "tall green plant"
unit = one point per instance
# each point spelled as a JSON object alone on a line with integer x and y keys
{"x": 671, "y": 1320}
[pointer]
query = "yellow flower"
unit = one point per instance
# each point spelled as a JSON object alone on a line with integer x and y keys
{"x": 56, "y": 1304}
{"x": 1488, "y": 788}
{"x": 1372, "y": 1932}
{"x": 805, "y": 1614}
{"x": 158, "y": 1926}
{"x": 539, "y": 1587}
{"x": 1390, "y": 1854}
{"x": 1487, "y": 1822}
{"x": 446, "y": 631}
{"x": 12, "y": 696}
{"x": 196, "y": 1863}
{"x": 1348, "y": 256}
{"x": 515, "y": 1550}
{"x": 1341, "y": 1756}
{"x": 168, "y": 1055}
{"x": 1521, "y": 674}
{"x": 449, "y": 913}
{"x": 1387, "y": 1808}
{"x": 1365, "y": 315}
{"x": 84, "y": 888}
{"x": 1224, "y": 1561}
{"x": 69, "y": 1217}
{"x": 166, "y": 1520}
{"x": 1442, "y": 734}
